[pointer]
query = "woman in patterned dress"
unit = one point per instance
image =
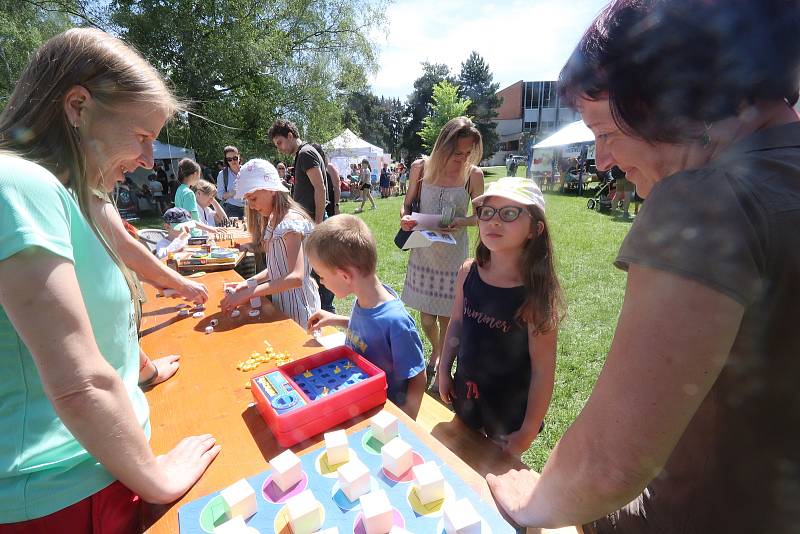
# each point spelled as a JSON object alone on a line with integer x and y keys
{"x": 449, "y": 179}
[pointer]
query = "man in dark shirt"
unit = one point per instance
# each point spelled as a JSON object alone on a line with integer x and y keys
{"x": 309, "y": 170}
{"x": 309, "y": 183}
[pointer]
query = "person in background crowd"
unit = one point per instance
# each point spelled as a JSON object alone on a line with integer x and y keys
{"x": 211, "y": 212}
{"x": 157, "y": 193}
{"x": 310, "y": 189}
{"x": 226, "y": 183}
{"x": 384, "y": 180}
{"x": 364, "y": 183}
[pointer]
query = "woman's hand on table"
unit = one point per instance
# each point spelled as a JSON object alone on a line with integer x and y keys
{"x": 513, "y": 492}
{"x": 193, "y": 291}
{"x": 184, "y": 465}
{"x": 239, "y": 296}
{"x": 407, "y": 223}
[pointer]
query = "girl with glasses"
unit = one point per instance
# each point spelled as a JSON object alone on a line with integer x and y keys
{"x": 504, "y": 322}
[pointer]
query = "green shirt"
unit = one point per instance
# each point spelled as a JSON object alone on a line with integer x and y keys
{"x": 43, "y": 468}
{"x": 186, "y": 199}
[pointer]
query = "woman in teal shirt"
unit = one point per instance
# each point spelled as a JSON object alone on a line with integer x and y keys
{"x": 72, "y": 418}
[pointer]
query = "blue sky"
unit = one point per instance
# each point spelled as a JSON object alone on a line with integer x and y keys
{"x": 520, "y": 39}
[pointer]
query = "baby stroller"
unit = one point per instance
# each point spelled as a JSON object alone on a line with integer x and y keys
{"x": 602, "y": 198}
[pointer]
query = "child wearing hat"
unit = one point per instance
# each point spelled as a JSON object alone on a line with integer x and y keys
{"x": 281, "y": 225}
{"x": 178, "y": 223}
{"x": 504, "y": 322}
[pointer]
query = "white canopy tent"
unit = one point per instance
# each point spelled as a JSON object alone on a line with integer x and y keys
{"x": 166, "y": 151}
{"x": 576, "y": 132}
{"x": 347, "y": 148}
{"x": 168, "y": 155}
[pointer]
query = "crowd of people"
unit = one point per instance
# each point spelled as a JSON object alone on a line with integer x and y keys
{"x": 688, "y": 428}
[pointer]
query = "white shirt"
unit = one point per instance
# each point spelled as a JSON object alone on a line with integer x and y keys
{"x": 207, "y": 216}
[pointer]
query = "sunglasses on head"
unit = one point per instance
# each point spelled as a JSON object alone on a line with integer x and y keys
{"x": 234, "y": 158}
{"x": 506, "y": 213}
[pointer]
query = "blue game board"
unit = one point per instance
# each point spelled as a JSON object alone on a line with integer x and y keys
{"x": 200, "y": 515}
{"x": 329, "y": 378}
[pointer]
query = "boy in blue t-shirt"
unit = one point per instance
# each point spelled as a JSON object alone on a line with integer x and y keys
{"x": 343, "y": 253}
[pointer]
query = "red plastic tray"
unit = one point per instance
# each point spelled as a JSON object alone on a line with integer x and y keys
{"x": 320, "y": 415}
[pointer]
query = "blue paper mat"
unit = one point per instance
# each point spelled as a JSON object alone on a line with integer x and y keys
{"x": 199, "y": 516}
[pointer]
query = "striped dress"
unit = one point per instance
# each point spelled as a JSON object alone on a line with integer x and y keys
{"x": 302, "y": 302}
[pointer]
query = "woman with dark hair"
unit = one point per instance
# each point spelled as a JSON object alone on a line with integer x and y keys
{"x": 691, "y": 424}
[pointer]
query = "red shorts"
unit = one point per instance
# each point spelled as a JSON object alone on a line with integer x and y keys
{"x": 113, "y": 510}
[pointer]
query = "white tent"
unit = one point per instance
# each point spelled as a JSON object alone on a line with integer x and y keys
{"x": 576, "y": 132}
{"x": 165, "y": 151}
{"x": 348, "y": 148}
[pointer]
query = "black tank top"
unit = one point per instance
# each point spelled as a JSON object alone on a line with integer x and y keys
{"x": 493, "y": 351}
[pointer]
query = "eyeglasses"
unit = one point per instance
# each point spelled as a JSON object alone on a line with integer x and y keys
{"x": 506, "y": 213}
{"x": 234, "y": 158}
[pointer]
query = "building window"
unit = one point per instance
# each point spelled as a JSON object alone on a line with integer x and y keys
{"x": 548, "y": 94}
{"x": 512, "y": 145}
{"x": 530, "y": 126}
{"x": 547, "y": 126}
{"x": 531, "y": 96}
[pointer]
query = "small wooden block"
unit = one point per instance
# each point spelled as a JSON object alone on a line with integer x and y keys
{"x": 354, "y": 479}
{"x": 305, "y": 513}
{"x": 337, "y": 447}
{"x": 286, "y": 470}
{"x": 377, "y": 512}
{"x": 240, "y": 499}
{"x": 430, "y": 482}
{"x": 396, "y": 457}
{"x": 461, "y": 518}
{"x": 385, "y": 426}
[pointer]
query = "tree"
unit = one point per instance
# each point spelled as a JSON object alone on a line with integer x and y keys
{"x": 446, "y": 105}
{"x": 242, "y": 63}
{"x": 24, "y": 26}
{"x": 379, "y": 121}
{"x": 475, "y": 83}
{"x": 418, "y": 106}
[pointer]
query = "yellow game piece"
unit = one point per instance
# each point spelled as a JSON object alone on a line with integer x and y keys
{"x": 348, "y": 365}
{"x": 336, "y": 370}
{"x": 308, "y": 374}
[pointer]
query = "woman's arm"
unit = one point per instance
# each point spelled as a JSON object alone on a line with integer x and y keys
{"x": 476, "y": 189}
{"x": 139, "y": 259}
{"x": 38, "y": 288}
{"x": 542, "y": 351}
{"x": 673, "y": 338}
{"x": 413, "y": 184}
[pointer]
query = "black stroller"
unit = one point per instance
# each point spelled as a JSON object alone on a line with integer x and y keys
{"x": 602, "y": 197}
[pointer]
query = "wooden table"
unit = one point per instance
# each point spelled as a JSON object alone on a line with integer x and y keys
{"x": 208, "y": 395}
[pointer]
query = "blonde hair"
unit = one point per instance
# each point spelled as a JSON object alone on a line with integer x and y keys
{"x": 343, "y": 242}
{"x": 34, "y": 125}
{"x": 455, "y": 130}
{"x": 282, "y": 203}
{"x": 204, "y": 186}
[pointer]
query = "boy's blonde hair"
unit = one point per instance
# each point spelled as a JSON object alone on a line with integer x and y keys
{"x": 344, "y": 242}
{"x": 204, "y": 186}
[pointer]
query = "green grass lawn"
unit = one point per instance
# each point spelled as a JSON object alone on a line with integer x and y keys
{"x": 585, "y": 244}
